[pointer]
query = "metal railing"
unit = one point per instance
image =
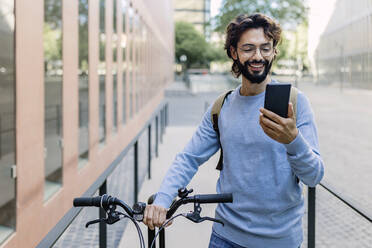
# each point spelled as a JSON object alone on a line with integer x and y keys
{"x": 311, "y": 210}
{"x": 160, "y": 115}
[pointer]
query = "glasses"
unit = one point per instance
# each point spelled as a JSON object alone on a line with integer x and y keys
{"x": 250, "y": 51}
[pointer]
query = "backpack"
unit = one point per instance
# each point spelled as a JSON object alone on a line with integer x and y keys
{"x": 216, "y": 109}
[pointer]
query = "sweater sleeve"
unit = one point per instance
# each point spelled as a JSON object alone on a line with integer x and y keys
{"x": 203, "y": 144}
{"x": 303, "y": 152}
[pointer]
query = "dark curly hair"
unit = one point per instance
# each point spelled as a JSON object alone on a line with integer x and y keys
{"x": 240, "y": 24}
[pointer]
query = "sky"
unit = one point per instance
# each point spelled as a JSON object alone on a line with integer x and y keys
{"x": 215, "y": 6}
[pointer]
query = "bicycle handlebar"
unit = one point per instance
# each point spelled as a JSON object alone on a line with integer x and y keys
{"x": 101, "y": 201}
{"x": 88, "y": 201}
{"x": 209, "y": 198}
{"x": 214, "y": 198}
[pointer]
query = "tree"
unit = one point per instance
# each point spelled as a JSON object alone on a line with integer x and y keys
{"x": 286, "y": 12}
{"x": 191, "y": 43}
{"x": 291, "y": 14}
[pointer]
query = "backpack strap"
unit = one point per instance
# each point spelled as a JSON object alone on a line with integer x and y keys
{"x": 215, "y": 113}
{"x": 216, "y": 109}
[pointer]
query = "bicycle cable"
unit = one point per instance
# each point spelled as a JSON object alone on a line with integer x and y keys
{"x": 162, "y": 227}
{"x": 140, "y": 235}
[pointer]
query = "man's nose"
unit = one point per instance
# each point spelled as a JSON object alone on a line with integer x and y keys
{"x": 257, "y": 55}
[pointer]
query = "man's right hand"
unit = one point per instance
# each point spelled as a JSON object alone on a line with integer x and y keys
{"x": 155, "y": 216}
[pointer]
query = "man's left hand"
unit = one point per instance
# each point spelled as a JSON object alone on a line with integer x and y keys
{"x": 281, "y": 129}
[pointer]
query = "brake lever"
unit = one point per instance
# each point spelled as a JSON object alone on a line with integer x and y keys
{"x": 112, "y": 218}
{"x": 195, "y": 216}
{"x": 214, "y": 220}
{"x": 94, "y": 222}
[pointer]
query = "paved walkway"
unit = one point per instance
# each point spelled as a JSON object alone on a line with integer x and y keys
{"x": 183, "y": 233}
{"x": 343, "y": 120}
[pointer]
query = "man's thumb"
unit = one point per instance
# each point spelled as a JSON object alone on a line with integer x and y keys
{"x": 290, "y": 111}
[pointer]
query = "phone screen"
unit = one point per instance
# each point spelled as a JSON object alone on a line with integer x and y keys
{"x": 277, "y": 98}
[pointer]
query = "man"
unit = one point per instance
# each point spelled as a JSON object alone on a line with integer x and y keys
{"x": 265, "y": 156}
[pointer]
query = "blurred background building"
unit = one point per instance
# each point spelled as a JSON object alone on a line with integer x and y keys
{"x": 196, "y": 12}
{"x": 340, "y": 42}
{"x": 80, "y": 81}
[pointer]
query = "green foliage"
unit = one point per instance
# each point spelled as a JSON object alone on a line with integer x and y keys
{"x": 216, "y": 52}
{"x": 191, "y": 43}
{"x": 289, "y": 12}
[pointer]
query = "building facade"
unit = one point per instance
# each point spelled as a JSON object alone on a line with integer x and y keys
{"x": 340, "y": 42}
{"x": 197, "y": 12}
{"x": 79, "y": 81}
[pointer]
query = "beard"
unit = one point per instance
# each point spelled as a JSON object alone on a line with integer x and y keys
{"x": 254, "y": 77}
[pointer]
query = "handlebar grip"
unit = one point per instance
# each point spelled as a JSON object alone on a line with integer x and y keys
{"x": 87, "y": 201}
{"x": 214, "y": 198}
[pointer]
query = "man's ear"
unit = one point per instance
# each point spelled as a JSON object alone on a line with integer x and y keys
{"x": 276, "y": 52}
{"x": 233, "y": 53}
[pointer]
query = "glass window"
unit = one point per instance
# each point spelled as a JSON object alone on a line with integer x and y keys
{"x": 7, "y": 120}
{"x": 102, "y": 72}
{"x": 53, "y": 73}
{"x": 123, "y": 47}
{"x": 83, "y": 83}
{"x": 114, "y": 68}
{"x": 130, "y": 65}
{"x": 136, "y": 59}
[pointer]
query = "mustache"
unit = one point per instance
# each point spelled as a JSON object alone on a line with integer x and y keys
{"x": 264, "y": 62}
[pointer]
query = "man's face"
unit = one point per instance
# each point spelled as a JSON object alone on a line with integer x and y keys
{"x": 254, "y": 55}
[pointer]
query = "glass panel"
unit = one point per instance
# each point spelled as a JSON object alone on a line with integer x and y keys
{"x": 78, "y": 236}
{"x": 136, "y": 60}
{"x": 83, "y": 83}
{"x": 115, "y": 103}
{"x": 143, "y": 157}
{"x": 124, "y": 172}
{"x": 102, "y": 73}
{"x": 130, "y": 62}
{"x": 123, "y": 47}
{"x": 114, "y": 68}
{"x": 7, "y": 120}
{"x": 53, "y": 73}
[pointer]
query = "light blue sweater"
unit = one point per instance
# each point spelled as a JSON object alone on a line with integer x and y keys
{"x": 260, "y": 172}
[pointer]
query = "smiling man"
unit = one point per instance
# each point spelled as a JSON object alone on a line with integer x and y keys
{"x": 266, "y": 158}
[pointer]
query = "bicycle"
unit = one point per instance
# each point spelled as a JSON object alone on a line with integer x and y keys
{"x": 136, "y": 214}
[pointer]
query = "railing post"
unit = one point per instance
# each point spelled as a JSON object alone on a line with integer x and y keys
{"x": 157, "y": 136}
{"x": 161, "y": 125}
{"x": 150, "y": 233}
{"x": 311, "y": 218}
{"x": 80, "y": 114}
{"x": 162, "y": 239}
{"x": 136, "y": 171}
{"x": 1, "y": 140}
{"x": 102, "y": 214}
{"x": 149, "y": 153}
{"x": 104, "y": 121}
{"x": 165, "y": 116}
{"x": 58, "y": 121}
{"x": 150, "y": 237}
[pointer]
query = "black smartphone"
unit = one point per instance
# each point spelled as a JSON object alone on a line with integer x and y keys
{"x": 277, "y": 98}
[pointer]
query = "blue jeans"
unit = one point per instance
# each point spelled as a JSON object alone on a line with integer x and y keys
{"x": 218, "y": 242}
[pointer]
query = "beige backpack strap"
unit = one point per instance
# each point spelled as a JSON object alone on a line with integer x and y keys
{"x": 293, "y": 100}
{"x": 215, "y": 113}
